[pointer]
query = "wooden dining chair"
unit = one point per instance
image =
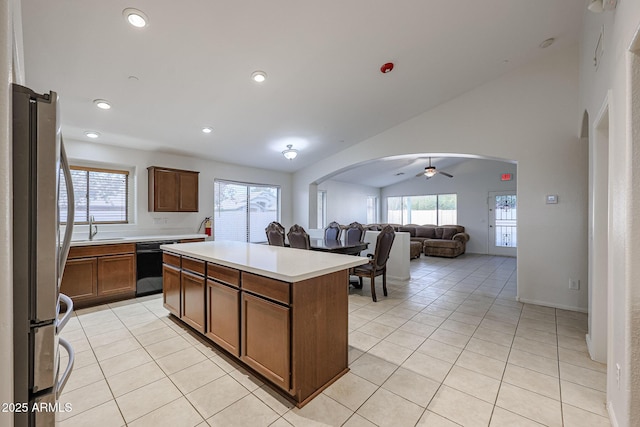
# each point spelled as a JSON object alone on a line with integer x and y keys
{"x": 332, "y": 231}
{"x": 275, "y": 234}
{"x": 354, "y": 233}
{"x": 377, "y": 266}
{"x": 298, "y": 237}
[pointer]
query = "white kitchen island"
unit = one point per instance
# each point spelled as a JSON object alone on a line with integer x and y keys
{"x": 282, "y": 312}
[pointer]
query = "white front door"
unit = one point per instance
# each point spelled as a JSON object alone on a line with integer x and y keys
{"x": 503, "y": 230}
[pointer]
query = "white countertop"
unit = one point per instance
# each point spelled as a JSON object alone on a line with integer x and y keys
{"x": 134, "y": 239}
{"x": 281, "y": 263}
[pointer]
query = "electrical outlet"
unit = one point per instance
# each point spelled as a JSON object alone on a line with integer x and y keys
{"x": 618, "y": 375}
{"x": 574, "y": 284}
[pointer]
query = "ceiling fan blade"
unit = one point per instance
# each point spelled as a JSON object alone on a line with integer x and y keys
{"x": 446, "y": 174}
{"x": 420, "y": 174}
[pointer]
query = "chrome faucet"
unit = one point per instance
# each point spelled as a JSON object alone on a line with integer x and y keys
{"x": 93, "y": 229}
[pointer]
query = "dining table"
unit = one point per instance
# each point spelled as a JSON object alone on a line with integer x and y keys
{"x": 337, "y": 246}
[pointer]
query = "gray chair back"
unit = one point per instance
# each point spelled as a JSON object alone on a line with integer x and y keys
{"x": 354, "y": 233}
{"x": 383, "y": 247}
{"x": 275, "y": 234}
{"x": 298, "y": 237}
{"x": 332, "y": 231}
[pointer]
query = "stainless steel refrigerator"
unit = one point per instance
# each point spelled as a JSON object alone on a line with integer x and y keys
{"x": 39, "y": 256}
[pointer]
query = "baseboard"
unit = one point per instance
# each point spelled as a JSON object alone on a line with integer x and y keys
{"x": 552, "y": 305}
{"x": 589, "y": 349}
{"x": 612, "y": 415}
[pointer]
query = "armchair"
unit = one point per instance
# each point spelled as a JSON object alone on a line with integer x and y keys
{"x": 378, "y": 265}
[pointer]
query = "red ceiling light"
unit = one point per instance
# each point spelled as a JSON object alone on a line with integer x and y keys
{"x": 386, "y": 68}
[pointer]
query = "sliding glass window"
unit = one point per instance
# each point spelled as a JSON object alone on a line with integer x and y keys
{"x": 436, "y": 209}
{"x": 241, "y": 211}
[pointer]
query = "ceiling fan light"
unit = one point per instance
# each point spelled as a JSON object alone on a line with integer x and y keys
{"x": 290, "y": 153}
{"x": 429, "y": 172}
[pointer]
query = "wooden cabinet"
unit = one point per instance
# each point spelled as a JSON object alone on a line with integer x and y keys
{"x": 183, "y": 285}
{"x": 294, "y": 335}
{"x": 172, "y": 190}
{"x": 193, "y": 300}
{"x": 223, "y": 307}
{"x": 115, "y": 273}
{"x": 100, "y": 273}
{"x": 171, "y": 288}
{"x": 266, "y": 339}
{"x": 80, "y": 280}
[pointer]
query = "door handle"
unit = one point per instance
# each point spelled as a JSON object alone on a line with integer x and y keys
{"x": 67, "y": 315}
{"x": 65, "y": 376}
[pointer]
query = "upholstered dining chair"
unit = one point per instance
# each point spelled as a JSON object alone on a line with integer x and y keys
{"x": 377, "y": 266}
{"x": 354, "y": 233}
{"x": 332, "y": 231}
{"x": 298, "y": 237}
{"x": 275, "y": 234}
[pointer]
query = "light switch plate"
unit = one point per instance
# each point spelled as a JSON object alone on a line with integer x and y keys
{"x": 552, "y": 199}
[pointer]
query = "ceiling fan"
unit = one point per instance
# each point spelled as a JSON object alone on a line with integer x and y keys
{"x": 430, "y": 171}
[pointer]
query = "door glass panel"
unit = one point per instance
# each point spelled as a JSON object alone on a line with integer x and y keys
{"x": 506, "y": 210}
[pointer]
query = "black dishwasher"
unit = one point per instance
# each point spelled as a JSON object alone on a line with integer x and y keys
{"x": 149, "y": 267}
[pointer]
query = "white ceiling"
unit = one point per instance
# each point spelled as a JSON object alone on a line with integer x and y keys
{"x": 324, "y": 90}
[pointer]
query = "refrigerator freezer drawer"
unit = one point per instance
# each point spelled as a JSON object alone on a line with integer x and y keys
{"x": 46, "y": 416}
{"x": 45, "y": 357}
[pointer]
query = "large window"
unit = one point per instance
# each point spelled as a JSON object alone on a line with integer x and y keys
{"x": 372, "y": 209}
{"x": 322, "y": 208}
{"x": 101, "y": 193}
{"x": 242, "y": 211}
{"x": 439, "y": 209}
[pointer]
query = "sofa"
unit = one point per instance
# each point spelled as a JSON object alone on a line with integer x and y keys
{"x": 443, "y": 241}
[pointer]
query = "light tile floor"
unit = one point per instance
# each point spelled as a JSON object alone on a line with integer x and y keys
{"x": 450, "y": 347}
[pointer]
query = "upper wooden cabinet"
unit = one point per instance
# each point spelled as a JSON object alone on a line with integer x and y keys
{"x": 172, "y": 190}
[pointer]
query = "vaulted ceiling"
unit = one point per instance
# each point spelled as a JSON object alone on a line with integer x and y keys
{"x": 190, "y": 68}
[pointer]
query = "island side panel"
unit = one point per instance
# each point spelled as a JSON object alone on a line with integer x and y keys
{"x": 319, "y": 333}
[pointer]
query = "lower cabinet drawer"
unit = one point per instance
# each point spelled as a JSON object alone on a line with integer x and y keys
{"x": 267, "y": 287}
{"x": 266, "y": 339}
{"x": 223, "y": 316}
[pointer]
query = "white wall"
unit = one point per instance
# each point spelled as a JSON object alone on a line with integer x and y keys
{"x": 472, "y": 182}
{"x": 528, "y": 116}
{"x": 6, "y": 224}
{"x": 612, "y": 76}
{"x": 145, "y": 221}
{"x": 347, "y": 202}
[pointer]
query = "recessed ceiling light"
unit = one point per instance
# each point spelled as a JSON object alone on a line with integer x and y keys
{"x": 259, "y": 76}
{"x": 135, "y": 17}
{"x": 548, "y": 42}
{"x": 102, "y": 104}
{"x": 92, "y": 134}
{"x": 207, "y": 130}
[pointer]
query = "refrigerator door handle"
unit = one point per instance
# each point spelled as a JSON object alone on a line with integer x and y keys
{"x": 60, "y": 323}
{"x": 65, "y": 376}
{"x": 68, "y": 230}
